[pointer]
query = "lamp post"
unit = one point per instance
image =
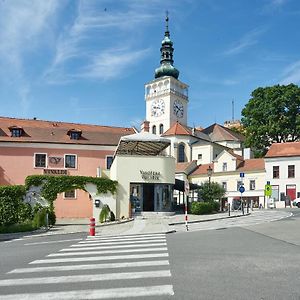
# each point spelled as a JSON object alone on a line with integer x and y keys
{"x": 209, "y": 173}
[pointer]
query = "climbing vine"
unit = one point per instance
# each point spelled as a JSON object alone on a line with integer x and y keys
{"x": 53, "y": 185}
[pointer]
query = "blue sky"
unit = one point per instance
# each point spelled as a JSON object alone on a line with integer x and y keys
{"x": 87, "y": 61}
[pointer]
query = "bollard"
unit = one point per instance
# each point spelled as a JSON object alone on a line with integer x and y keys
{"x": 229, "y": 209}
{"x": 92, "y": 226}
{"x": 243, "y": 208}
{"x": 186, "y": 217}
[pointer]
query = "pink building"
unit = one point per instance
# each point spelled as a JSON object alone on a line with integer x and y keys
{"x": 30, "y": 147}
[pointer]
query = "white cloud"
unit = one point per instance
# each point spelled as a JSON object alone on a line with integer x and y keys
{"x": 291, "y": 74}
{"x": 246, "y": 41}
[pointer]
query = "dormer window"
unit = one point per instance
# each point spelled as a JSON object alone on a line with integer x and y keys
{"x": 74, "y": 134}
{"x": 16, "y": 131}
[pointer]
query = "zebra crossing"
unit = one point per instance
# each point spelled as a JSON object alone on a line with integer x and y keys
{"x": 243, "y": 221}
{"x": 129, "y": 266}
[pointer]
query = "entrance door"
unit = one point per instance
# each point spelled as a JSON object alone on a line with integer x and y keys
{"x": 291, "y": 192}
{"x": 148, "y": 197}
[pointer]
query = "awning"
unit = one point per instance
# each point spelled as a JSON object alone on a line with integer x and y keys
{"x": 179, "y": 185}
{"x": 143, "y": 143}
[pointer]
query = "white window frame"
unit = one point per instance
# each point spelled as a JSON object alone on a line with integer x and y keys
{"x": 224, "y": 167}
{"x": 252, "y": 180}
{"x": 70, "y": 198}
{"x": 75, "y": 161}
{"x": 34, "y": 160}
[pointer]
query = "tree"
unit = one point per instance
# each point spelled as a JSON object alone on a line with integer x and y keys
{"x": 211, "y": 191}
{"x": 272, "y": 115}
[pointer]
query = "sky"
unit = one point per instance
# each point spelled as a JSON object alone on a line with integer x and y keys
{"x": 87, "y": 61}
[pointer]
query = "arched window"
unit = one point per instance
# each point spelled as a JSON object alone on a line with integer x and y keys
{"x": 161, "y": 129}
{"x": 181, "y": 154}
{"x": 154, "y": 129}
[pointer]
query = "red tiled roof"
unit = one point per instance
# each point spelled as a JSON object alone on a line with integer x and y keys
{"x": 202, "y": 169}
{"x": 57, "y": 132}
{"x": 284, "y": 149}
{"x": 178, "y": 129}
{"x": 254, "y": 164}
{"x": 219, "y": 133}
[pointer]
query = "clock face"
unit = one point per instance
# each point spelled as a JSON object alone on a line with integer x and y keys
{"x": 178, "y": 109}
{"x": 158, "y": 108}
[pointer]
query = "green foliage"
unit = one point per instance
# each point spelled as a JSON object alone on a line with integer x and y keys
{"x": 272, "y": 115}
{"x": 12, "y": 208}
{"x": 39, "y": 218}
{"x": 26, "y": 226}
{"x": 53, "y": 185}
{"x": 212, "y": 191}
{"x": 25, "y": 212}
{"x": 201, "y": 208}
{"x": 105, "y": 214}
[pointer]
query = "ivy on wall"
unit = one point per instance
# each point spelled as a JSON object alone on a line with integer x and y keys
{"x": 53, "y": 185}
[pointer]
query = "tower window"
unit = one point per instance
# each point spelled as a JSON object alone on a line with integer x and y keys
{"x": 154, "y": 129}
{"x": 161, "y": 129}
{"x": 181, "y": 154}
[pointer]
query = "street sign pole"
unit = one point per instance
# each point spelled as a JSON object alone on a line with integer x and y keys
{"x": 186, "y": 190}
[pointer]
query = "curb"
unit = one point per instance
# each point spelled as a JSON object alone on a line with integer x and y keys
{"x": 208, "y": 220}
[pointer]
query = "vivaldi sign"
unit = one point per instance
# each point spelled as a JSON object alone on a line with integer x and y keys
{"x": 55, "y": 172}
{"x": 150, "y": 175}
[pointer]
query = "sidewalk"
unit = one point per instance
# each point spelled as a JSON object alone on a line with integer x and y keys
{"x": 138, "y": 225}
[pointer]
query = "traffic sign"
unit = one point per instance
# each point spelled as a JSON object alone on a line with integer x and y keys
{"x": 242, "y": 175}
{"x": 268, "y": 190}
{"x": 242, "y": 189}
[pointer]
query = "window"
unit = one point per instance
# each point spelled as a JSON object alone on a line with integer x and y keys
{"x": 224, "y": 185}
{"x": 154, "y": 129}
{"x": 70, "y": 194}
{"x": 16, "y": 132}
{"x": 224, "y": 167}
{"x": 161, "y": 129}
{"x": 199, "y": 156}
{"x": 181, "y": 155}
{"x": 70, "y": 161}
{"x": 109, "y": 160}
{"x": 74, "y": 135}
{"x": 275, "y": 171}
{"x": 40, "y": 160}
{"x": 291, "y": 171}
{"x": 252, "y": 185}
{"x": 238, "y": 184}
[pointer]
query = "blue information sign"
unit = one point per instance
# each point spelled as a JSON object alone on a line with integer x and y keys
{"x": 242, "y": 189}
{"x": 242, "y": 175}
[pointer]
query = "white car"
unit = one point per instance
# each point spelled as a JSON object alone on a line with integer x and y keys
{"x": 296, "y": 202}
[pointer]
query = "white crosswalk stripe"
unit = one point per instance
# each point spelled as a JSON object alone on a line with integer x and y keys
{"x": 121, "y": 260}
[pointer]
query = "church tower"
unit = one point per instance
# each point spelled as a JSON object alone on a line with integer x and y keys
{"x": 166, "y": 96}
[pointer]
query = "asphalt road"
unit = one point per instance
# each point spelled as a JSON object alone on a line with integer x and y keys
{"x": 251, "y": 262}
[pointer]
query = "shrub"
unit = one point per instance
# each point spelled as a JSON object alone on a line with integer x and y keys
{"x": 201, "y": 208}
{"x": 39, "y": 218}
{"x": 104, "y": 214}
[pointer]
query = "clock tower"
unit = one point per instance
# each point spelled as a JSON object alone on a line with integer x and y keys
{"x": 166, "y": 96}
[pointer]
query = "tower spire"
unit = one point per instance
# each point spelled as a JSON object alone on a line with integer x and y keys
{"x": 166, "y": 60}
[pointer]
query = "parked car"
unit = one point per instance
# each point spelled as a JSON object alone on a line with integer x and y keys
{"x": 296, "y": 202}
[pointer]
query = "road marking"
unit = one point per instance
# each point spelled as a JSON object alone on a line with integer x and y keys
{"x": 124, "y": 239}
{"x": 92, "y": 266}
{"x": 158, "y": 290}
{"x": 83, "y": 244}
{"x": 98, "y": 258}
{"x": 85, "y": 278}
{"x": 108, "y": 252}
{"x": 112, "y": 247}
{"x": 117, "y": 237}
{"x": 52, "y": 242}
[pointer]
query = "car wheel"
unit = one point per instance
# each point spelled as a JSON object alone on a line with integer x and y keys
{"x": 298, "y": 204}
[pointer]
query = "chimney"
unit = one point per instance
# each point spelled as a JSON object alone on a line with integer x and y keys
{"x": 145, "y": 126}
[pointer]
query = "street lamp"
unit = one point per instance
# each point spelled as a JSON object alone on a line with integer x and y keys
{"x": 209, "y": 173}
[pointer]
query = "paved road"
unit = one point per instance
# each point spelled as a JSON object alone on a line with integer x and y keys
{"x": 233, "y": 262}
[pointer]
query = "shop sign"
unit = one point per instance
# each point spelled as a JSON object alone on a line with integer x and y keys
{"x": 55, "y": 172}
{"x": 150, "y": 175}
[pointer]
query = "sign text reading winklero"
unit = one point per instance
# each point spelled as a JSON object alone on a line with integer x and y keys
{"x": 150, "y": 175}
{"x": 55, "y": 172}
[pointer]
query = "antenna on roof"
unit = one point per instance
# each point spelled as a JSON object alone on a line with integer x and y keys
{"x": 232, "y": 105}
